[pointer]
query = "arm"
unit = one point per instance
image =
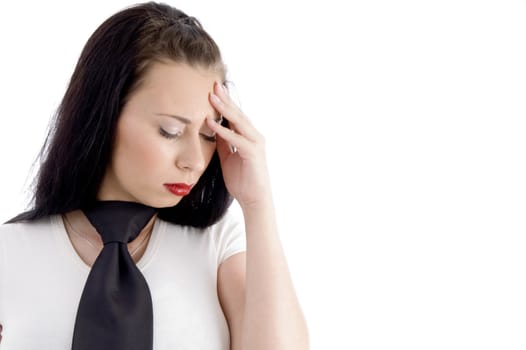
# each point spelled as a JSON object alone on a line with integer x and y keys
{"x": 273, "y": 318}
{"x": 255, "y": 291}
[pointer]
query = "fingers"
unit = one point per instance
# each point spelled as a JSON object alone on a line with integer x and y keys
{"x": 229, "y": 137}
{"x": 226, "y": 107}
{"x": 224, "y": 149}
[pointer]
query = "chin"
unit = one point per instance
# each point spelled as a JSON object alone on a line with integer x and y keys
{"x": 163, "y": 203}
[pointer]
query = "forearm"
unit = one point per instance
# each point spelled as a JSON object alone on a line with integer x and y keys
{"x": 272, "y": 317}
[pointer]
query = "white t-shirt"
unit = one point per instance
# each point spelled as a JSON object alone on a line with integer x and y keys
{"x": 42, "y": 278}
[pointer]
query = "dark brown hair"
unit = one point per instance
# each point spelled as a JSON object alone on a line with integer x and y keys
{"x": 78, "y": 147}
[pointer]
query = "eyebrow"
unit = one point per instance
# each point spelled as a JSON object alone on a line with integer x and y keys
{"x": 186, "y": 120}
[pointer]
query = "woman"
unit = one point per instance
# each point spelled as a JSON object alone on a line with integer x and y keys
{"x": 146, "y": 123}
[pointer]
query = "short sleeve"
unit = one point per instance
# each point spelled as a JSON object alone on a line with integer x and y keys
{"x": 230, "y": 236}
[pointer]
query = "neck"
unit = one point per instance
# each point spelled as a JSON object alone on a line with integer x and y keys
{"x": 80, "y": 224}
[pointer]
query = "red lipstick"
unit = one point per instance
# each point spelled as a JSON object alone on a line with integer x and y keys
{"x": 179, "y": 189}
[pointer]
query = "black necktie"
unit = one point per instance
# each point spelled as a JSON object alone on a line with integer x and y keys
{"x": 115, "y": 310}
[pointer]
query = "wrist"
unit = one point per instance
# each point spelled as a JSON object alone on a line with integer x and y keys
{"x": 256, "y": 205}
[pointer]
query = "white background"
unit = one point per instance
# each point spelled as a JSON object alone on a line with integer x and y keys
{"x": 396, "y": 145}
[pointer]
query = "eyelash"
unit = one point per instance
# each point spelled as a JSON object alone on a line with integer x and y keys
{"x": 174, "y": 136}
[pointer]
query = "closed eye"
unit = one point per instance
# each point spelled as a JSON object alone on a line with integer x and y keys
{"x": 166, "y": 134}
{"x": 209, "y": 138}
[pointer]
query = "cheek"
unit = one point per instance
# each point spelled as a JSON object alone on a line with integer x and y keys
{"x": 138, "y": 152}
{"x": 208, "y": 152}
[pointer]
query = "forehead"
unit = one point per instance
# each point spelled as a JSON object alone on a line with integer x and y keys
{"x": 179, "y": 85}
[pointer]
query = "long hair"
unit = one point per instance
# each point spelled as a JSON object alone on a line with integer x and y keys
{"x": 78, "y": 147}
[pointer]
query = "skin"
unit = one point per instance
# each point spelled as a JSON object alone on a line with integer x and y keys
{"x": 154, "y": 159}
{"x": 254, "y": 287}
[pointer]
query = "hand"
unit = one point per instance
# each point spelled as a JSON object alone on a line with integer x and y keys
{"x": 245, "y": 170}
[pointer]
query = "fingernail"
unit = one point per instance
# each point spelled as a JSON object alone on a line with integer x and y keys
{"x": 220, "y": 88}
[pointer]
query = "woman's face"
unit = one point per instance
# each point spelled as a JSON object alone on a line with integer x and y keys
{"x": 162, "y": 137}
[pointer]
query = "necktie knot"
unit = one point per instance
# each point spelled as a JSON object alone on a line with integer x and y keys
{"x": 118, "y": 221}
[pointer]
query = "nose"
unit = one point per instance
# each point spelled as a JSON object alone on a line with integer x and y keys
{"x": 190, "y": 155}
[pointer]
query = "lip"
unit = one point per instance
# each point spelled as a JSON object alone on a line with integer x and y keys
{"x": 179, "y": 189}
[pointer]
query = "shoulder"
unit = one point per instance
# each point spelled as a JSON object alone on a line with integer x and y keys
{"x": 230, "y": 225}
{"x": 229, "y": 235}
{"x": 231, "y": 221}
{"x": 18, "y": 231}
{"x": 224, "y": 238}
